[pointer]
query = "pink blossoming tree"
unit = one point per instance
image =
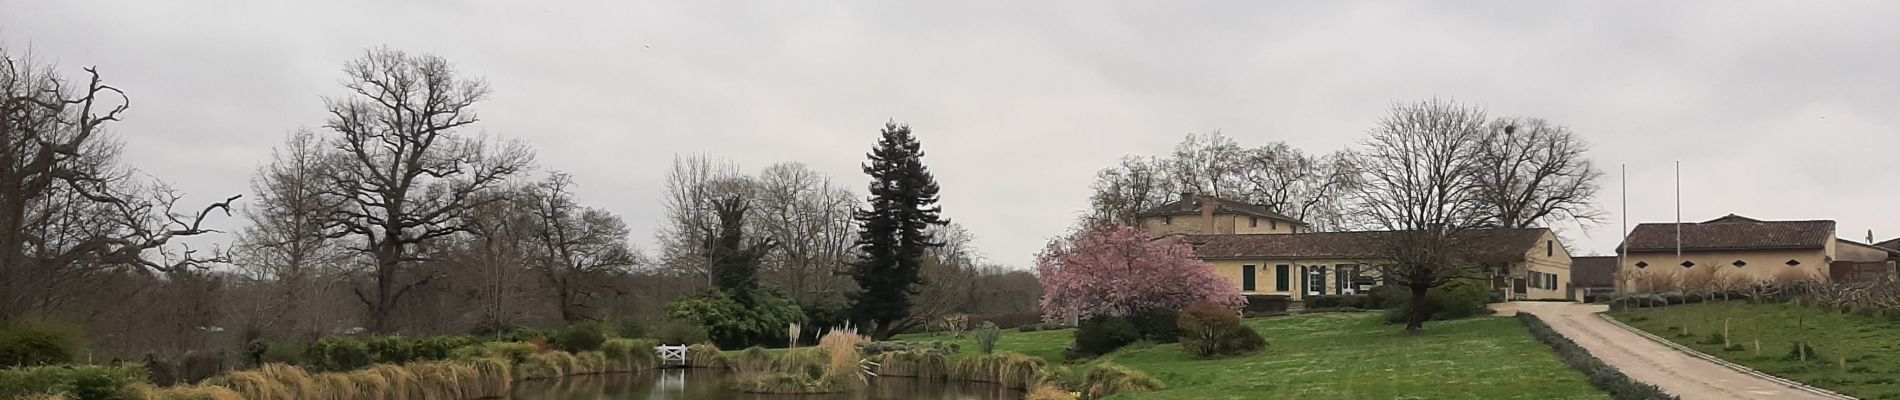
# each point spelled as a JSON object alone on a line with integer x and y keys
{"x": 1119, "y": 272}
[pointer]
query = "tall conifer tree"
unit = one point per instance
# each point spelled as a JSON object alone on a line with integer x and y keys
{"x": 893, "y": 233}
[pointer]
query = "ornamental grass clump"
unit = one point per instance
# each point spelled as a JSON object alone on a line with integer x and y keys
{"x": 626, "y": 355}
{"x": 705, "y": 355}
{"x": 842, "y": 346}
{"x": 1014, "y": 371}
{"x": 1108, "y": 379}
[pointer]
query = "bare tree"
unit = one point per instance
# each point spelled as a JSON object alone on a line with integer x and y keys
{"x": 67, "y": 209}
{"x": 287, "y": 243}
{"x": 691, "y": 186}
{"x": 949, "y": 275}
{"x": 1209, "y": 164}
{"x": 1287, "y": 180}
{"x": 1420, "y": 171}
{"x": 498, "y": 240}
{"x": 1535, "y": 173}
{"x": 1136, "y": 184}
{"x": 409, "y": 171}
{"x": 809, "y": 219}
{"x": 578, "y": 246}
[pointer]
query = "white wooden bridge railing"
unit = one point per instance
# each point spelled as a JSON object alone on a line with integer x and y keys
{"x": 671, "y": 355}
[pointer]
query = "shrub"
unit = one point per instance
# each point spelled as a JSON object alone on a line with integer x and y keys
{"x": 1109, "y": 378}
{"x": 339, "y": 354}
{"x": 629, "y": 328}
{"x": 39, "y": 342}
{"x": 1458, "y": 299}
{"x": 1156, "y": 326}
{"x": 1209, "y": 330}
{"x": 1386, "y": 297}
{"x": 986, "y": 336}
{"x": 1601, "y": 375}
{"x": 84, "y": 382}
{"x": 390, "y": 349}
{"x": 286, "y": 353}
{"x": 732, "y": 324}
{"x": 578, "y": 338}
{"x": 1103, "y": 335}
{"x": 1337, "y": 301}
{"x": 440, "y": 347}
{"x": 682, "y": 332}
{"x": 1267, "y": 303}
{"x": 514, "y": 352}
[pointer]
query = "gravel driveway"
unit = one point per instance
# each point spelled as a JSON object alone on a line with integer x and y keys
{"x": 1651, "y": 362}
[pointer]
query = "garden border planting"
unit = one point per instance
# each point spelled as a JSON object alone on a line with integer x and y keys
{"x": 1601, "y": 374}
{"x": 1725, "y": 363}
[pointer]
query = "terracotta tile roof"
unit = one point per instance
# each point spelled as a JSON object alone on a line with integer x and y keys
{"x": 1890, "y": 244}
{"x": 1192, "y": 206}
{"x": 1500, "y": 244}
{"x": 1732, "y": 232}
{"x": 1593, "y": 271}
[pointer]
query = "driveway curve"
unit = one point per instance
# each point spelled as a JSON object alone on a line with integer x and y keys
{"x": 1645, "y": 360}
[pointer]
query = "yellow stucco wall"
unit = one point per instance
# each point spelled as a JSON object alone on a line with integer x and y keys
{"x": 1547, "y": 256}
{"x": 1188, "y": 224}
{"x": 1223, "y": 224}
{"x": 1266, "y": 279}
{"x": 1758, "y": 264}
{"x": 1244, "y": 224}
{"x": 1858, "y": 252}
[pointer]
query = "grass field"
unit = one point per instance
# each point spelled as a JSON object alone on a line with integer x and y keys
{"x": 1871, "y": 346}
{"x": 1343, "y": 356}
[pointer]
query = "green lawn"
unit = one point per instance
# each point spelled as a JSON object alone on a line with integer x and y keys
{"x": 1871, "y": 346}
{"x": 1344, "y": 356}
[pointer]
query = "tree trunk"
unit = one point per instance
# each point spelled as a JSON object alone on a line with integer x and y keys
{"x": 388, "y": 258}
{"x": 1421, "y": 309}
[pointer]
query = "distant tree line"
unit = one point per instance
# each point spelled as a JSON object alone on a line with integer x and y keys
{"x": 396, "y": 215}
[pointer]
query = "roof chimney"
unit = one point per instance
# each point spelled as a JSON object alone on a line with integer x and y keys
{"x": 1207, "y": 214}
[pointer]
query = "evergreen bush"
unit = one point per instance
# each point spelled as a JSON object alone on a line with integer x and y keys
{"x": 1103, "y": 335}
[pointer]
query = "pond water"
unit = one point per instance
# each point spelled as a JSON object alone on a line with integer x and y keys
{"x": 705, "y": 384}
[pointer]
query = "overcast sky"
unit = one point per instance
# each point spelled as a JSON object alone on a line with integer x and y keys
{"x": 1776, "y": 110}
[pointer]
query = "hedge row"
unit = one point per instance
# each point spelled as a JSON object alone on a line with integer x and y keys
{"x": 1602, "y": 375}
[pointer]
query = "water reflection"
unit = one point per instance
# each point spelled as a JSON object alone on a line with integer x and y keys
{"x": 704, "y": 384}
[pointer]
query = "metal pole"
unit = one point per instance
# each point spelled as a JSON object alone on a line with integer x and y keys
{"x": 1621, "y": 251}
{"x": 1678, "y": 211}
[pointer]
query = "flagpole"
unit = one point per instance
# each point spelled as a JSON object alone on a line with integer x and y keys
{"x": 1621, "y": 252}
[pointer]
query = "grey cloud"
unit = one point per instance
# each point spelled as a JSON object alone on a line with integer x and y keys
{"x": 1019, "y": 103}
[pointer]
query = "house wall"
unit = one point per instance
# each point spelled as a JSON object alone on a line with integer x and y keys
{"x": 1547, "y": 256}
{"x": 1244, "y": 224}
{"x": 1759, "y": 264}
{"x": 1223, "y": 224}
{"x": 1856, "y": 252}
{"x": 1265, "y": 279}
{"x": 1185, "y": 224}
